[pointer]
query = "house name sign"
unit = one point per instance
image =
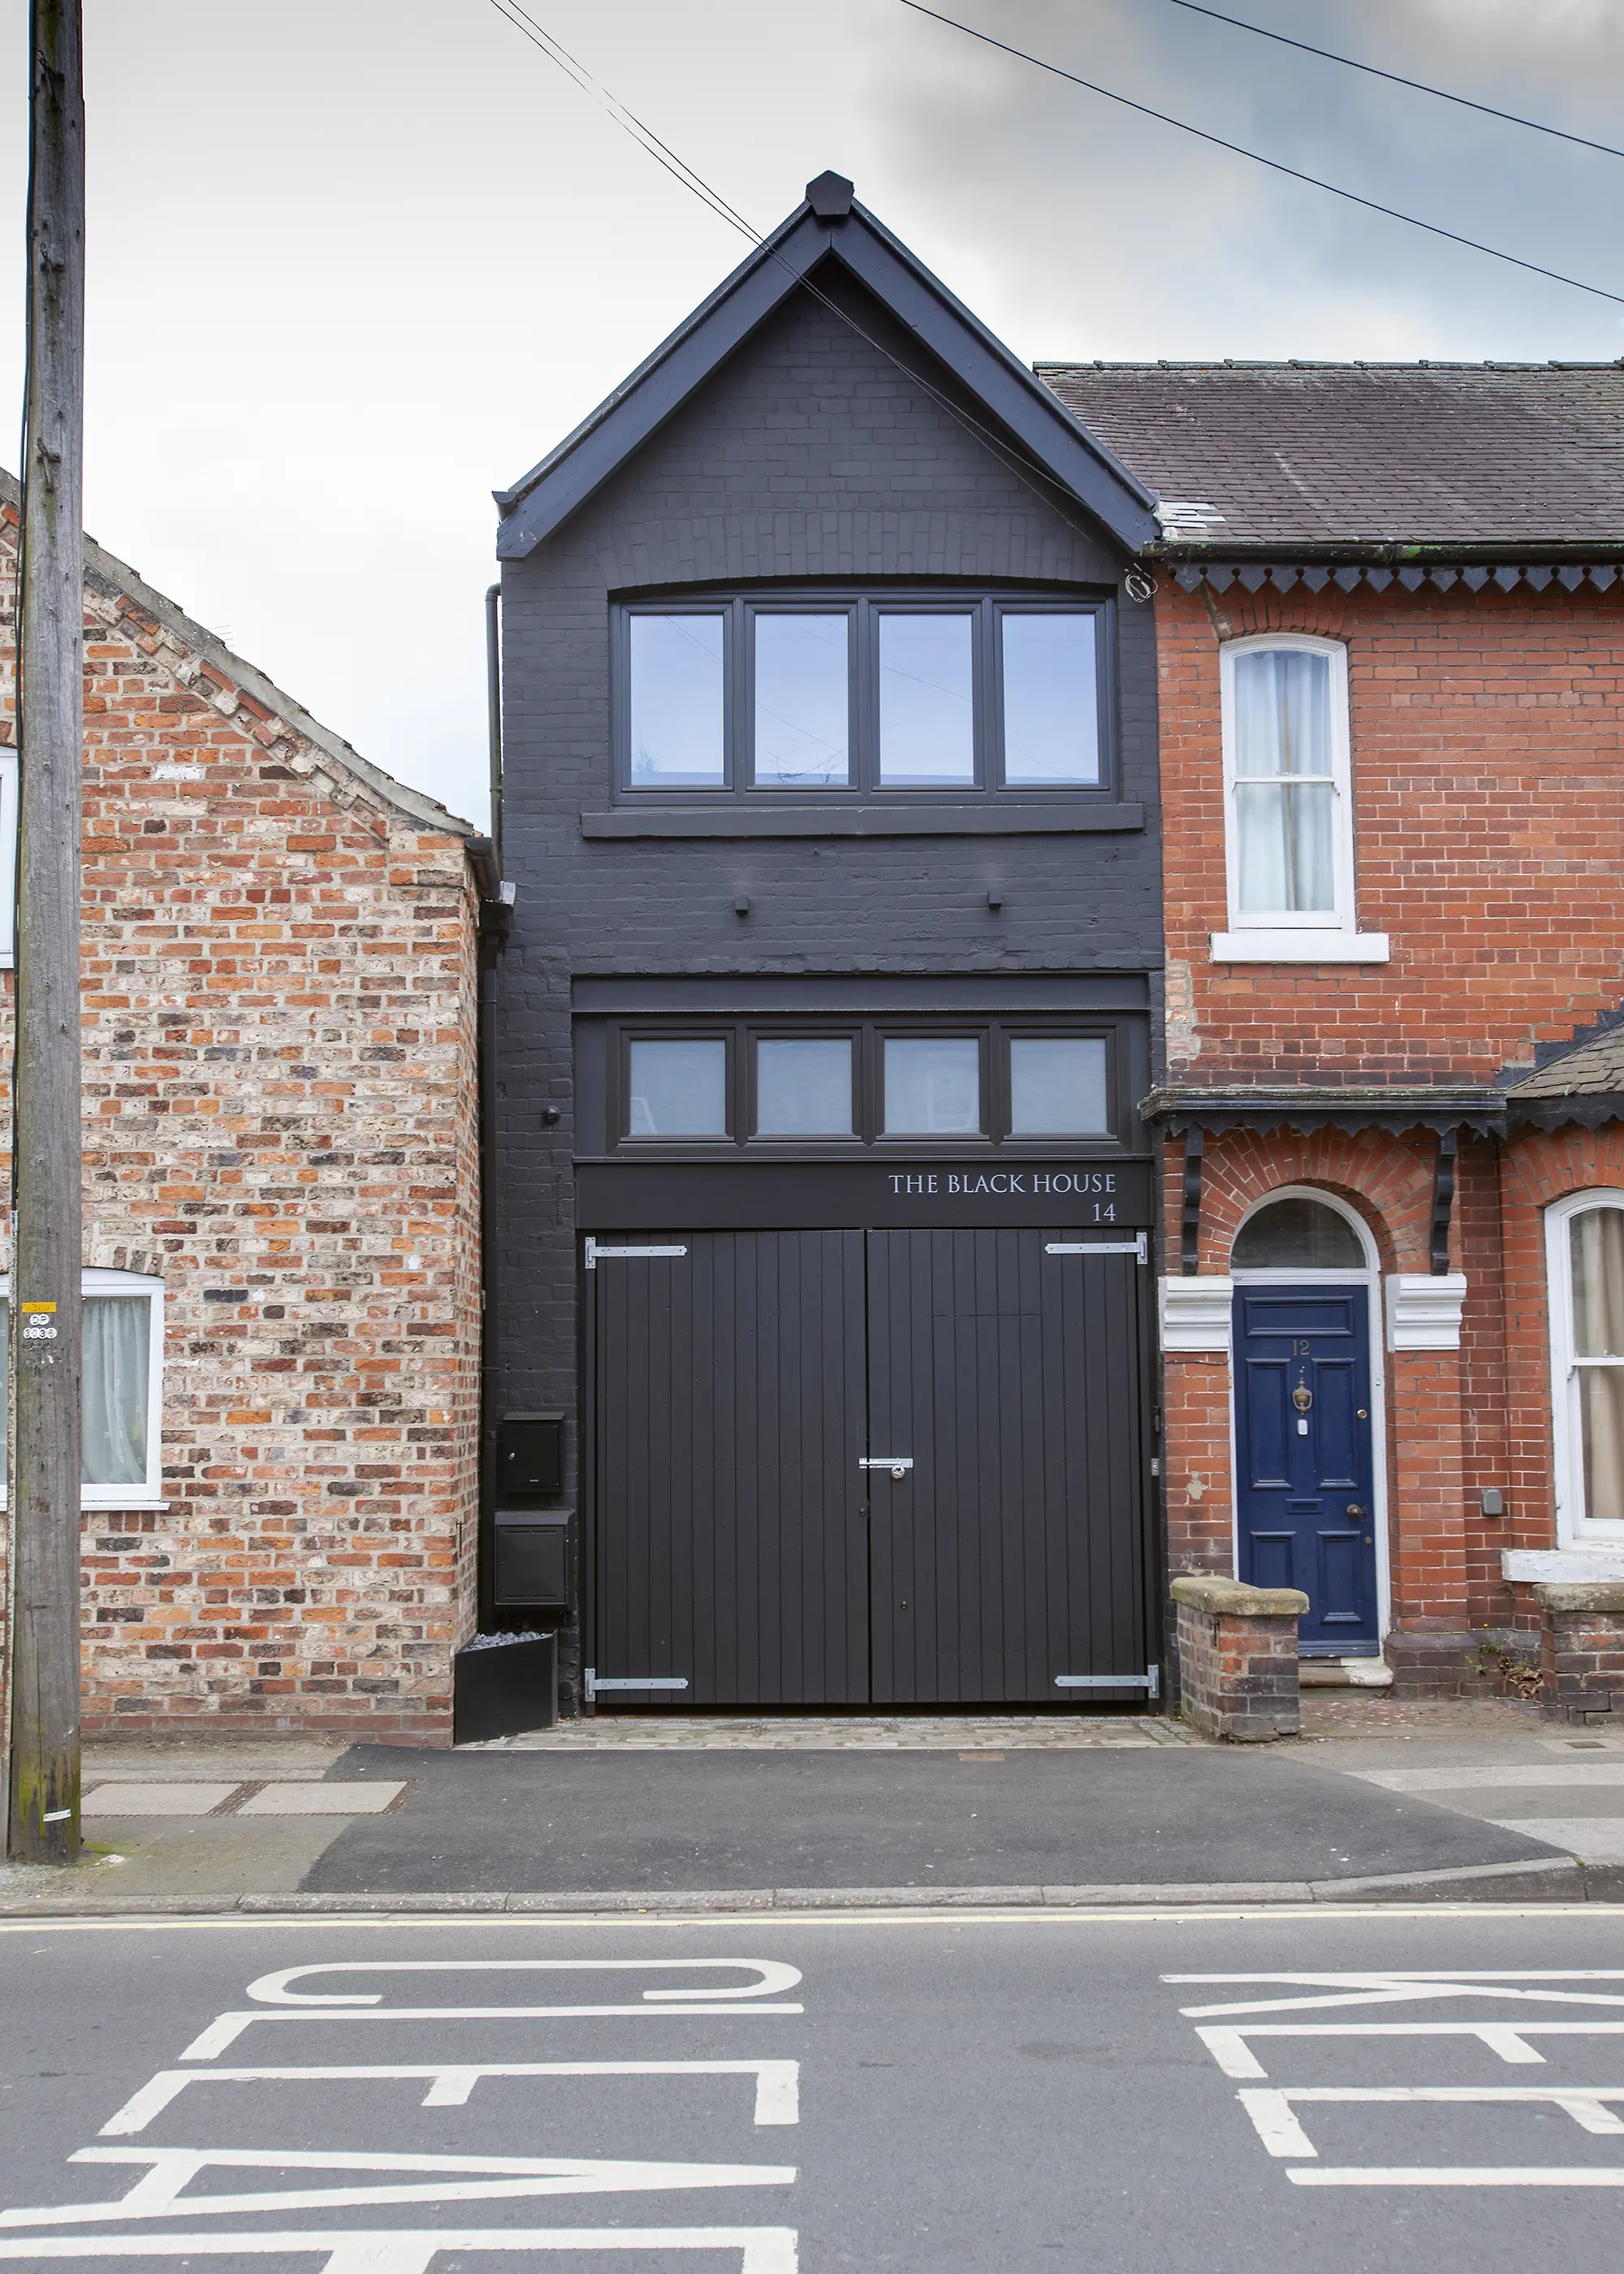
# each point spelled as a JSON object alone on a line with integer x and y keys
{"x": 789, "y": 1196}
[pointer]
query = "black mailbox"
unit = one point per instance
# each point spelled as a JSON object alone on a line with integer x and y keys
{"x": 529, "y": 1461}
{"x": 532, "y": 1561}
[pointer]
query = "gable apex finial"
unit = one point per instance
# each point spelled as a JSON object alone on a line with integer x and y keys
{"x": 829, "y": 196}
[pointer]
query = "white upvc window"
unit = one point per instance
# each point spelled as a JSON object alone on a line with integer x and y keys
{"x": 1289, "y": 804}
{"x": 1584, "y": 1263}
{"x": 8, "y": 858}
{"x": 122, "y": 1403}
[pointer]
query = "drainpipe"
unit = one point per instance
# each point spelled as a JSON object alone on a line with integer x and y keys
{"x": 496, "y": 900}
{"x": 493, "y": 707}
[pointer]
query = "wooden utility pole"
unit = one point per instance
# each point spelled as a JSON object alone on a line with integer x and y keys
{"x": 43, "y": 1440}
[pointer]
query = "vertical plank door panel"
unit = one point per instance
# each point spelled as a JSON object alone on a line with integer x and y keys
{"x": 731, "y": 1548}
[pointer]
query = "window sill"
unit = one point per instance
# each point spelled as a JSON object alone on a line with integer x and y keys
{"x": 1299, "y": 947}
{"x": 128, "y": 1503}
{"x": 1574, "y": 1565}
{"x": 995, "y": 817}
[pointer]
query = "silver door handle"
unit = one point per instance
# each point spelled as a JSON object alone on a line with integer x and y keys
{"x": 898, "y": 1464}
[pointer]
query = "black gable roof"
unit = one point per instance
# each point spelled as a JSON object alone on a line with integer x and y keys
{"x": 1027, "y": 419}
{"x": 1458, "y": 456}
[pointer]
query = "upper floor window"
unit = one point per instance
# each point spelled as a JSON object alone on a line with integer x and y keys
{"x": 1585, "y": 1258}
{"x": 913, "y": 694}
{"x": 1287, "y": 802}
{"x": 866, "y": 1081}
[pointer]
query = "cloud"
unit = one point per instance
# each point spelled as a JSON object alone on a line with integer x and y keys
{"x": 353, "y": 267}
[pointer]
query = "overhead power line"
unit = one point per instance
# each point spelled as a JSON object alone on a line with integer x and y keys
{"x": 1327, "y": 55}
{"x": 1052, "y": 493}
{"x": 1275, "y": 165}
{"x": 538, "y": 37}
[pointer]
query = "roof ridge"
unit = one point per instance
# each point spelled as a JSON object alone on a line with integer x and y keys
{"x": 413, "y": 804}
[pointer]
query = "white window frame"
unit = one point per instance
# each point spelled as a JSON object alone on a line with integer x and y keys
{"x": 8, "y": 857}
{"x": 1293, "y": 934}
{"x": 150, "y": 1495}
{"x": 1574, "y": 1527}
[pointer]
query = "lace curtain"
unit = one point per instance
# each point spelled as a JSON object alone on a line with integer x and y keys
{"x": 117, "y": 1338}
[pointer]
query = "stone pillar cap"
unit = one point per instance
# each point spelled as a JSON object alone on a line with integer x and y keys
{"x": 1580, "y": 1595}
{"x": 1233, "y": 1598}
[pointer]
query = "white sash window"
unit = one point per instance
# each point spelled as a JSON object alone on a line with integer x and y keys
{"x": 1289, "y": 804}
{"x": 1584, "y": 1251}
{"x": 122, "y": 1388}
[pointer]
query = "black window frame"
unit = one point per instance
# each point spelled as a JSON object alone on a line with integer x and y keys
{"x": 862, "y": 607}
{"x": 869, "y": 1033}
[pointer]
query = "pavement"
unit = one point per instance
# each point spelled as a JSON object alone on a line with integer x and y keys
{"x": 1341, "y": 2092}
{"x": 1377, "y": 1801}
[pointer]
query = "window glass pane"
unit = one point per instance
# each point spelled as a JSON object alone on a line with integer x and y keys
{"x": 804, "y": 1088}
{"x": 1283, "y": 848}
{"x": 1596, "y": 1244}
{"x": 1051, "y": 713}
{"x": 1295, "y": 1235}
{"x": 677, "y": 701}
{"x": 802, "y": 701}
{"x": 926, "y": 700}
{"x": 678, "y": 1089}
{"x": 1057, "y": 1087}
{"x": 1601, "y": 1429}
{"x": 933, "y": 1086}
{"x": 1283, "y": 712}
{"x": 117, "y": 1330}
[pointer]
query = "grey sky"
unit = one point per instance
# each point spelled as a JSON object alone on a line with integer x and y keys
{"x": 354, "y": 263}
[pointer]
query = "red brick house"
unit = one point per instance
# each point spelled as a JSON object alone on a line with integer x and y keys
{"x": 1390, "y": 623}
{"x": 282, "y": 1197}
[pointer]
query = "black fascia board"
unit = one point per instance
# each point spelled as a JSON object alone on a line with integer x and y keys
{"x": 1036, "y": 421}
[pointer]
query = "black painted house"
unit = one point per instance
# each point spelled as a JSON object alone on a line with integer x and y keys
{"x": 820, "y": 1352}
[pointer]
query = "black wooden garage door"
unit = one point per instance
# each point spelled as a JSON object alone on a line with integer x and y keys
{"x": 741, "y": 1545}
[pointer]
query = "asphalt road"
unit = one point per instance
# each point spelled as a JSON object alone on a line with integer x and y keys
{"x": 676, "y": 1822}
{"x": 758, "y": 2097}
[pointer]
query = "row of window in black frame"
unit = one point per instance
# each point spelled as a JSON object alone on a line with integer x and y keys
{"x": 1020, "y": 1066}
{"x": 990, "y": 776}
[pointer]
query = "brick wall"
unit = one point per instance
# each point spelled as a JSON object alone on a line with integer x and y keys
{"x": 1488, "y": 784}
{"x": 1488, "y": 800}
{"x": 280, "y": 1125}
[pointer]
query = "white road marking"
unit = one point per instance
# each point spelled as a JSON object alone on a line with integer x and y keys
{"x": 451, "y": 2084}
{"x": 1398, "y": 1989}
{"x": 1231, "y": 2049}
{"x": 1282, "y": 2135}
{"x": 469, "y": 2178}
{"x": 764, "y": 2249}
{"x": 772, "y": 1976}
{"x": 1492, "y": 2175}
{"x": 225, "y": 2029}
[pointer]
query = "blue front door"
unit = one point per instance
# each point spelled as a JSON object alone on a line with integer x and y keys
{"x": 1303, "y": 1458}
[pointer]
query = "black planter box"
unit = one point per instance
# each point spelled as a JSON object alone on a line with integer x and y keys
{"x": 503, "y": 1686}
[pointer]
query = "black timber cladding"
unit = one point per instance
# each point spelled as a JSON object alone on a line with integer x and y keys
{"x": 807, "y": 453}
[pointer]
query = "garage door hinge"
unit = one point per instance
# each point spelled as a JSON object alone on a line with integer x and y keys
{"x": 595, "y": 1254}
{"x": 1150, "y": 1681}
{"x": 592, "y": 1682}
{"x": 1140, "y": 1248}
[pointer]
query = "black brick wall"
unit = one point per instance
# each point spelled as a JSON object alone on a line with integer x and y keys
{"x": 810, "y": 456}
